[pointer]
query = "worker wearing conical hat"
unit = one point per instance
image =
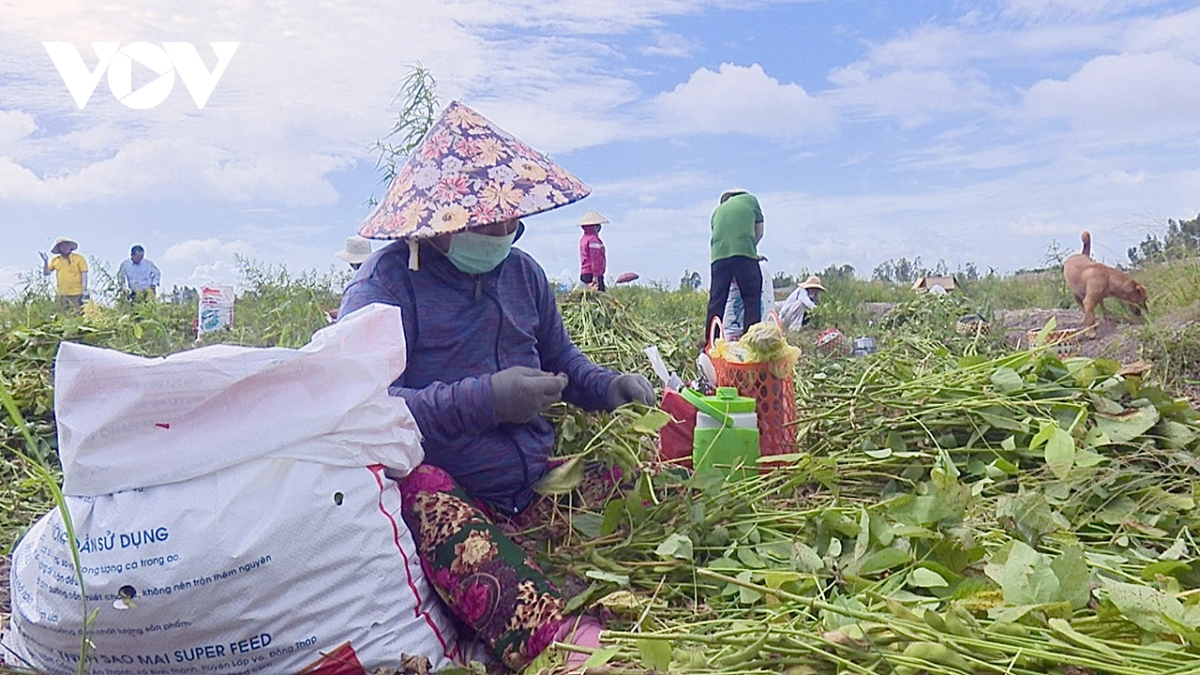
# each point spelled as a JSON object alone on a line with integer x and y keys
{"x": 71, "y": 274}
{"x": 592, "y": 259}
{"x": 487, "y": 355}
{"x": 794, "y": 310}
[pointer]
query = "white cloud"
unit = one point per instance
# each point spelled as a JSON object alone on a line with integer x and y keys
{"x": 175, "y": 168}
{"x": 196, "y": 262}
{"x": 220, "y": 272}
{"x": 1117, "y": 178}
{"x": 1154, "y": 94}
{"x": 20, "y": 184}
{"x": 1038, "y": 225}
{"x": 928, "y": 46}
{"x": 912, "y": 97}
{"x": 741, "y": 99}
{"x": 15, "y": 125}
{"x": 204, "y": 251}
{"x": 649, "y": 189}
{"x": 672, "y": 45}
{"x": 1177, "y": 33}
{"x": 296, "y": 102}
{"x": 1059, "y": 9}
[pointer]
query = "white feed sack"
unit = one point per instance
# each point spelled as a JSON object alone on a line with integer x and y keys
{"x": 232, "y": 513}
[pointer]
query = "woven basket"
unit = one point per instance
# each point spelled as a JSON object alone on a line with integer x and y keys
{"x": 773, "y": 389}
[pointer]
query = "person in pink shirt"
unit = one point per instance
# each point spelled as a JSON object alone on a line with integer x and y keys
{"x": 592, "y": 262}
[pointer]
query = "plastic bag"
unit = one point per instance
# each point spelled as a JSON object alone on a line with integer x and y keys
{"x": 735, "y": 311}
{"x": 234, "y": 513}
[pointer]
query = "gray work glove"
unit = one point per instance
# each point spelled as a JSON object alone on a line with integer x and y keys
{"x": 629, "y": 389}
{"x": 520, "y": 393}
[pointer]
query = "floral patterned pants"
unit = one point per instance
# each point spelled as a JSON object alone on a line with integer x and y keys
{"x": 487, "y": 581}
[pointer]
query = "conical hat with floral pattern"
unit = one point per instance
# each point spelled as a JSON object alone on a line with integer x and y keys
{"x": 467, "y": 173}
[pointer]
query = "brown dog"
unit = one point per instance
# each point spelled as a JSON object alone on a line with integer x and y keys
{"x": 1091, "y": 282}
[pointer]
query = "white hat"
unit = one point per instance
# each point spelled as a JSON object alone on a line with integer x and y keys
{"x": 592, "y": 218}
{"x": 813, "y": 282}
{"x": 357, "y": 250}
{"x": 60, "y": 242}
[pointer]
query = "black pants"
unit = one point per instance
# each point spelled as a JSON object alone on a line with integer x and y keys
{"x": 588, "y": 278}
{"x": 749, "y": 279}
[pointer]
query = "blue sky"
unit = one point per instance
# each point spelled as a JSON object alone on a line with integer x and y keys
{"x": 960, "y": 130}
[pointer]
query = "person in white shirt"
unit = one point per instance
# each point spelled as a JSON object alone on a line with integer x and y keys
{"x": 793, "y": 310}
{"x": 138, "y": 277}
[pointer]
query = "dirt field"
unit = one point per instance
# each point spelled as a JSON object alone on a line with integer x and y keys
{"x": 1112, "y": 339}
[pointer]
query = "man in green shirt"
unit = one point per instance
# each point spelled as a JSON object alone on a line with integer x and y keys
{"x": 737, "y": 227}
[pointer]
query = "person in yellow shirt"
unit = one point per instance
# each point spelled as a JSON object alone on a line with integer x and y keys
{"x": 71, "y": 274}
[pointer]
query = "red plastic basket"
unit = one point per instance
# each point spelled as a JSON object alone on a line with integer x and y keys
{"x": 772, "y": 387}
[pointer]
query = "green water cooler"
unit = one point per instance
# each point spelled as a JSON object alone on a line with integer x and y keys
{"x": 726, "y": 432}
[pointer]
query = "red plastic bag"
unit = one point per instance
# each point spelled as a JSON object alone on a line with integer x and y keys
{"x": 675, "y": 439}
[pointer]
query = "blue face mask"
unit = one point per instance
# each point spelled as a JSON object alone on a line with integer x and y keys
{"x": 476, "y": 253}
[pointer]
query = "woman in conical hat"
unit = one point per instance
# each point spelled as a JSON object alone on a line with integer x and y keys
{"x": 487, "y": 354}
{"x": 592, "y": 259}
{"x": 794, "y": 310}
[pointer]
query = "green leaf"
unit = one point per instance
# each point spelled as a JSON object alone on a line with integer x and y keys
{"x": 724, "y": 563}
{"x": 651, "y": 421}
{"x": 1007, "y": 380}
{"x": 656, "y": 654}
{"x": 747, "y": 596}
{"x": 1009, "y": 444}
{"x": 601, "y": 575}
{"x": 1173, "y": 500}
{"x": 1095, "y": 438}
{"x": 1128, "y": 425}
{"x": 1044, "y": 434}
{"x": 883, "y": 559}
{"x": 834, "y": 550}
{"x": 805, "y": 559}
{"x": 863, "y": 540}
{"x": 1175, "y": 552}
{"x": 1087, "y": 458}
{"x": 750, "y": 559}
{"x": 1175, "y": 435}
{"x": 677, "y": 546}
{"x": 1166, "y": 568}
{"x": 1025, "y": 576}
{"x": 600, "y": 657}
{"x": 926, "y": 578}
{"x": 561, "y": 479}
{"x": 1149, "y": 608}
{"x": 1002, "y": 418}
{"x": 588, "y": 524}
{"x": 1074, "y": 581}
{"x": 1117, "y": 511}
{"x": 925, "y": 509}
{"x": 613, "y": 513}
{"x": 1045, "y": 332}
{"x": 583, "y": 600}
{"x": 880, "y": 453}
{"x": 1060, "y": 452}
{"x": 1105, "y": 405}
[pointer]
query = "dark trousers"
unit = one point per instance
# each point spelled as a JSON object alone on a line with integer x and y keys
{"x": 749, "y": 279}
{"x": 589, "y": 278}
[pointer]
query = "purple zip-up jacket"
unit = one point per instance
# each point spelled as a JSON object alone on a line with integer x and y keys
{"x": 461, "y": 328}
